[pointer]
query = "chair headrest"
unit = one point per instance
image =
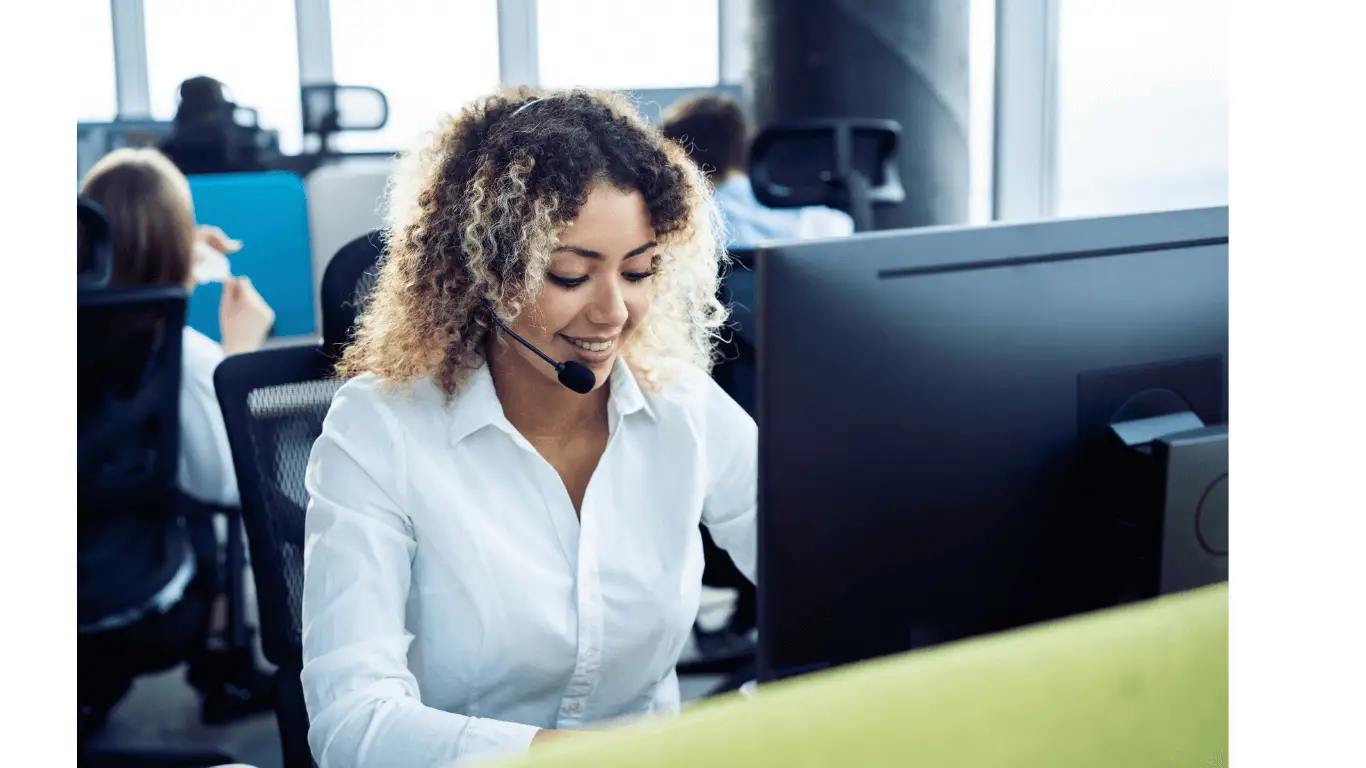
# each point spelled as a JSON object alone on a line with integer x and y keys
{"x": 94, "y": 245}
{"x": 810, "y": 162}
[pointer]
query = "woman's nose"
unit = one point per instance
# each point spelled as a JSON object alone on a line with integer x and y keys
{"x": 609, "y": 305}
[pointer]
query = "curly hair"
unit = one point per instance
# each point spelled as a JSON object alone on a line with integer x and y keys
{"x": 473, "y": 216}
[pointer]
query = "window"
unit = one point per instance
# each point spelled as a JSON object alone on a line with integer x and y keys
{"x": 981, "y": 108}
{"x": 250, "y": 45}
{"x": 429, "y": 57}
{"x": 96, "y": 94}
{"x": 1142, "y": 105}
{"x": 628, "y": 43}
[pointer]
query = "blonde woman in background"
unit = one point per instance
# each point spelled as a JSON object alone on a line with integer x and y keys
{"x": 169, "y": 605}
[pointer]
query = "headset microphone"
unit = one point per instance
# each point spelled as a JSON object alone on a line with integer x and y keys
{"x": 572, "y": 374}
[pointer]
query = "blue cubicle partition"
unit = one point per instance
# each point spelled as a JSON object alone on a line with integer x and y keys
{"x": 268, "y": 213}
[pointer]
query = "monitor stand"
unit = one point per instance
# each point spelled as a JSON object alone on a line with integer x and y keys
{"x": 1179, "y": 469}
{"x": 1194, "y": 467}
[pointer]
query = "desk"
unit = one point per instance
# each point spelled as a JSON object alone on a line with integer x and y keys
{"x": 1134, "y": 687}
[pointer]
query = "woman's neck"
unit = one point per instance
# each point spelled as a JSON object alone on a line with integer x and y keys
{"x": 537, "y": 405}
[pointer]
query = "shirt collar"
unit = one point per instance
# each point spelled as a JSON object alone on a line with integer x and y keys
{"x": 626, "y": 397}
{"x": 477, "y": 405}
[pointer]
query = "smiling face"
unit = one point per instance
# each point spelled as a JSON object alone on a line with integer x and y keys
{"x": 597, "y": 290}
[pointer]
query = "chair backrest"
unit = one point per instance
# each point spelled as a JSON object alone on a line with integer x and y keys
{"x": 94, "y": 246}
{"x": 844, "y": 163}
{"x": 269, "y": 214}
{"x": 329, "y": 108}
{"x": 127, "y": 436}
{"x": 273, "y": 403}
{"x": 347, "y": 283}
{"x": 736, "y": 370}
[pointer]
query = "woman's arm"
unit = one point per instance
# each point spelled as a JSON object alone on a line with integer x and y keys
{"x": 732, "y": 454}
{"x": 363, "y": 702}
{"x": 205, "y": 462}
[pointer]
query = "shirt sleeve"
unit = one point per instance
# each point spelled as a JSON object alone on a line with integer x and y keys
{"x": 731, "y": 504}
{"x": 821, "y": 222}
{"x": 205, "y": 468}
{"x": 363, "y": 702}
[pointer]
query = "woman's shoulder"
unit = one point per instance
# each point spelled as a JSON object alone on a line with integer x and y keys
{"x": 198, "y": 350}
{"x": 692, "y": 392}
{"x": 370, "y": 394}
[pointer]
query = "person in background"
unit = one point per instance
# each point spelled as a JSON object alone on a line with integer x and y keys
{"x": 715, "y": 131}
{"x": 151, "y": 221}
{"x": 713, "y": 128}
{"x": 204, "y": 138}
{"x": 492, "y": 559}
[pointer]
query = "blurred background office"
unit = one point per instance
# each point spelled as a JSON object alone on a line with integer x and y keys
{"x": 285, "y": 116}
{"x": 1107, "y": 107}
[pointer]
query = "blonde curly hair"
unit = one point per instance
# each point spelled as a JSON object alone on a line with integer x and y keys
{"x": 474, "y": 215}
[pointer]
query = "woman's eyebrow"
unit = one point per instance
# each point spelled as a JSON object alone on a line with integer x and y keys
{"x": 584, "y": 252}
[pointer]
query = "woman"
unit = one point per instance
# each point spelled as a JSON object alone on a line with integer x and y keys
{"x": 151, "y": 221}
{"x": 491, "y": 558}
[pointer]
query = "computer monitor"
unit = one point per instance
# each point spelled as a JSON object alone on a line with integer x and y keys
{"x": 935, "y": 406}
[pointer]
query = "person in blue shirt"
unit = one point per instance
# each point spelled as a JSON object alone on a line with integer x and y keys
{"x": 713, "y": 127}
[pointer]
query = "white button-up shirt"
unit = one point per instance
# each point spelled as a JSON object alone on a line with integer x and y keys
{"x": 453, "y": 602}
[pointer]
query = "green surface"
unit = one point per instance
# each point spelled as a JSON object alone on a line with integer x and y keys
{"x": 1145, "y": 685}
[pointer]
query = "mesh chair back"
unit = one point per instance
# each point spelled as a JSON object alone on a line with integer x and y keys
{"x": 346, "y": 286}
{"x": 94, "y": 246}
{"x": 735, "y": 371}
{"x": 127, "y": 422}
{"x": 128, "y": 389}
{"x": 274, "y": 402}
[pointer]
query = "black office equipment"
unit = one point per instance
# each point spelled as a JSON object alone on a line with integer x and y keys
{"x": 937, "y": 418}
{"x": 329, "y": 109}
{"x": 734, "y": 370}
{"x": 130, "y": 535}
{"x": 347, "y": 283}
{"x": 848, "y": 163}
{"x": 274, "y": 402}
{"x": 94, "y": 246}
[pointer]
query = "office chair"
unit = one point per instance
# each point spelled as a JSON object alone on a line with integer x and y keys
{"x": 128, "y": 500}
{"x": 849, "y": 164}
{"x": 347, "y": 282}
{"x": 274, "y": 402}
{"x": 728, "y": 650}
{"x": 329, "y": 109}
{"x": 737, "y": 356}
{"x": 94, "y": 247}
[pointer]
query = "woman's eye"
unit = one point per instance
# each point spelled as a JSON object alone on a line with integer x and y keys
{"x": 636, "y": 277}
{"x": 567, "y": 282}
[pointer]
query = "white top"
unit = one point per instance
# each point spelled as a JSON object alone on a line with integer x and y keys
{"x": 749, "y": 222}
{"x": 206, "y": 470}
{"x": 453, "y": 603}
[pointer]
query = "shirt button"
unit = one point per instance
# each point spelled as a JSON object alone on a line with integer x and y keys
{"x": 574, "y": 707}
